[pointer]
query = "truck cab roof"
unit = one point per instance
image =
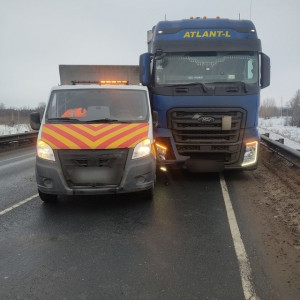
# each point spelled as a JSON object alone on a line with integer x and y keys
{"x": 203, "y": 35}
{"x": 237, "y": 25}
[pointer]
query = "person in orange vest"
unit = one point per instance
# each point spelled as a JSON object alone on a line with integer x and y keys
{"x": 75, "y": 112}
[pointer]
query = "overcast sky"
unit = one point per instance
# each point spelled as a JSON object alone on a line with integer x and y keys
{"x": 38, "y": 35}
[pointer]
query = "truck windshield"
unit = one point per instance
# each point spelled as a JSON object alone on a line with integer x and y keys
{"x": 97, "y": 105}
{"x": 206, "y": 67}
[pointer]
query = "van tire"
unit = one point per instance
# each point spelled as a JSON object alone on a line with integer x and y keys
{"x": 148, "y": 194}
{"x": 48, "y": 198}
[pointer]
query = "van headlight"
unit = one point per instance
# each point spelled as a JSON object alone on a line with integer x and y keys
{"x": 142, "y": 149}
{"x": 250, "y": 156}
{"x": 44, "y": 151}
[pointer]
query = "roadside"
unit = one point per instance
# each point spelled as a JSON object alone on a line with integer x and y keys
{"x": 283, "y": 191}
{"x": 278, "y": 129}
{"x": 270, "y": 215}
{"x": 17, "y": 128}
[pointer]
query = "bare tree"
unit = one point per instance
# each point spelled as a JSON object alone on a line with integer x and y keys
{"x": 40, "y": 108}
{"x": 268, "y": 109}
{"x": 295, "y": 109}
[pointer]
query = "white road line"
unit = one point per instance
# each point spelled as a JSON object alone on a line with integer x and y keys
{"x": 3, "y": 212}
{"x": 244, "y": 264}
{"x": 14, "y": 158}
{"x": 15, "y": 163}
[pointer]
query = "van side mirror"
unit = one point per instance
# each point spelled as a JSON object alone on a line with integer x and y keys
{"x": 145, "y": 75}
{"x": 155, "y": 118}
{"x": 265, "y": 70}
{"x": 35, "y": 121}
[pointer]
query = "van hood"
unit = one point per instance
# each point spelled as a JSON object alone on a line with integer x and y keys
{"x": 94, "y": 136}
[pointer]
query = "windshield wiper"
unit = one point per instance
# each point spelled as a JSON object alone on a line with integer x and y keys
{"x": 204, "y": 87}
{"x": 242, "y": 83}
{"x": 83, "y": 120}
{"x": 106, "y": 120}
{"x": 67, "y": 120}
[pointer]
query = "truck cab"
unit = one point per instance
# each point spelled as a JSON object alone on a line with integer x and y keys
{"x": 204, "y": 77}
{"x": 95, "y": 139}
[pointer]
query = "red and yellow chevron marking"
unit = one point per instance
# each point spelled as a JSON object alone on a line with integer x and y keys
{"x": 94, "y": 136}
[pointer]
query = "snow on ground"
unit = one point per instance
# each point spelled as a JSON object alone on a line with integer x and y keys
{"x": 277, "y": 129}
{"x": 18, "y": 128}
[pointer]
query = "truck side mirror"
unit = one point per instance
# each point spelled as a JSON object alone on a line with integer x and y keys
{"x": 155, "y": 118}
{"x": 265, "y": 70}
{"x": 35, "y": 121}
{"x": 145, "y": 76}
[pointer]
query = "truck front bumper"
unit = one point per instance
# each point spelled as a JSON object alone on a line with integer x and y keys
{"x": 206, "y": 160}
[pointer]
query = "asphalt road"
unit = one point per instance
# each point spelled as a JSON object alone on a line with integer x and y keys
{"x": 178, "y": 246}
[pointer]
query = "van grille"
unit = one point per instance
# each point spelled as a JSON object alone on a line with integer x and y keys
{"x": 93, "y": 167}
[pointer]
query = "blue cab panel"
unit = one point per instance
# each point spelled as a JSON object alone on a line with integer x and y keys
{"x": 204, "y": 79}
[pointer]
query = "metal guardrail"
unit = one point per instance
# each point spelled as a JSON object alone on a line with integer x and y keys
{"x": 17, "y": 140}
{"x": 293, "y": 156}
{"x": 28, "y": 138}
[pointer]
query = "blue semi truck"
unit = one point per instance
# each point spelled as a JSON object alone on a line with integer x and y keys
{"x": 204, "y": 77}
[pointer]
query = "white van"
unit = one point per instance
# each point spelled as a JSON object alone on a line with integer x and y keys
{"x": 95, "y": 139}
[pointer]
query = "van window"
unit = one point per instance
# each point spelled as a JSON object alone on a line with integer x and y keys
{"x": 97, "y": 104}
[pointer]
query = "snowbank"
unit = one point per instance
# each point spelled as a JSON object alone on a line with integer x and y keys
{"x": 19, "y": 128}
{"x": 277, "y": 129}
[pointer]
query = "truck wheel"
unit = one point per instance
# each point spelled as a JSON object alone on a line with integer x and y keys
{"x": 47, "y": 197}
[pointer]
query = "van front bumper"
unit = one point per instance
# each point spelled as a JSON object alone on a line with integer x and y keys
{"x": 138, "y": 175}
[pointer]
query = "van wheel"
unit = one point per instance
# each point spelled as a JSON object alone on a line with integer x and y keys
{"x": 47, "y": 197}
{"x": 148, "y": 194}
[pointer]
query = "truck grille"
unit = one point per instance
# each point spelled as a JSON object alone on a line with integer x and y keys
{"x": 93, "y": 168}
{"x": 207, "y": 132}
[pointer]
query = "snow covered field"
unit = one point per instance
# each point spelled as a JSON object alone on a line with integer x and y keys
{"x": 274, "y": 126}
{"x": 19, "y": 128}
{"x": 277, "y": 129}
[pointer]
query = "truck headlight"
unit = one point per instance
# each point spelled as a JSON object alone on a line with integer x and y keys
{"x": 161, "y": 151}
{"x": 44, "y": 151}
{"x": 250, "y": 156}
{"x": 142, "y": 149}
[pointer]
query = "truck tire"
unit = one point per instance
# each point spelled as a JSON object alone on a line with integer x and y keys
{"x": 48, "y": 198}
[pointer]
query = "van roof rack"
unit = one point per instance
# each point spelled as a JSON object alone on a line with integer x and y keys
{"x": 102, "y": 82}
{"x": 74, "y": 82}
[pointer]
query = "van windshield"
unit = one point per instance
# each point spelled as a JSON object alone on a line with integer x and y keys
{"x": 98, "y": 106}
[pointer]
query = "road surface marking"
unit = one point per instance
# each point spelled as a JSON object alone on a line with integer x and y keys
{"x": 3, "y": 212}
{"x": 16, "y": 163}
{"x": 14, "y": 158}
{"x": 244, "y": 264}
